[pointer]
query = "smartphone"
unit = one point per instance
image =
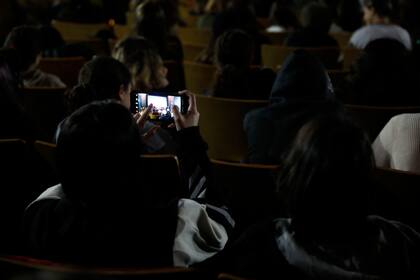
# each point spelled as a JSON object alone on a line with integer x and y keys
{"x": 162, "y": 104}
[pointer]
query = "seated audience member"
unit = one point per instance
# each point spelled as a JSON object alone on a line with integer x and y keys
{"x": 316, "y": 20}
{"x": 152, "y": 24}
{"x": 101, "y": 213}
{"x": 13, "y": 121}
{"x": 282, "y": 17}
{"x": 235, "y": 77}
{"x": 145, "y": 64}
{"x": 383, "y": 76}
{"x": 302, "y": 90}
{"x": 237, "y": 14}
{"x": 377, "y": 17}
{"x": 397, "y": 145}
{"x": 106, "y": 78}
{"x": 324, "y": 184}
{"x": 349, "y": 16}
{"x": 28, "y": 43}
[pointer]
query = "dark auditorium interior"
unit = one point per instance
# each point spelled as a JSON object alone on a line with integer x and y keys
{"x": 209, "y": 139}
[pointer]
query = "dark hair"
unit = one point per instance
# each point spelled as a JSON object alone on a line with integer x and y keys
{"x": 143, "y": 61}
{"x": 27, "y": 41}
{"x": 99, "y": 79}
{"x": 151, "y": 23}
{"x": 284, "y": 15}
{"x": 325, "y": 178}
{"x": 316, "y": 16}
{"x": 302, "y": 77}
{"x": 234, "y": 54}
{"x": 98, "y": 150}
{"x": 234, "y": 47}
{"x": 383, "y": 8}
{"x": 385, "y": 67}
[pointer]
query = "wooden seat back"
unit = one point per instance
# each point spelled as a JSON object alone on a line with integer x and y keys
{"x": 372, "y": 119}
{"x": 221, "y": 124}
{"x": 199, "y": 77}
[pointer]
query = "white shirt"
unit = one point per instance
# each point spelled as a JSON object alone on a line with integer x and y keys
{"x": 364, "y": 35}
{"x": 398, "y": 144}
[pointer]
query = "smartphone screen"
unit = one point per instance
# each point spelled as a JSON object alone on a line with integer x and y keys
{"x": 162, "y": 104}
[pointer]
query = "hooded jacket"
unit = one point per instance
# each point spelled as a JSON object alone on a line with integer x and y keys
{"x": 272, "y": 250}
{"x": 302, "y": 89}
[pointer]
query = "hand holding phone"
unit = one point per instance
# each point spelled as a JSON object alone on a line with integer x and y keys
{"x": 191, "y": 117}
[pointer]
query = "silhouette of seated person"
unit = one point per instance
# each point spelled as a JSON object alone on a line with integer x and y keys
{"x": 316, "y": 21}
{"x": 302, "y": 90}
{"x": 235, "y": 77}
{"x": 378, "y": 17}
{"x": 324, "y": 184}
{"x": 384, "y": 75}
{"x": 144, "y": 62}
{"x": 27, "y": 41}
{"x": 101, "y": 212}
{"x": 106, "y": 78}
{"x": 154, "y": 24}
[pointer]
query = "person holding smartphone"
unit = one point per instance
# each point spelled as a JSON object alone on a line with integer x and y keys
{"x": 101, "y": 212}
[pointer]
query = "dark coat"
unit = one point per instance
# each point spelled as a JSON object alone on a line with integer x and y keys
{"x": 301, "y": 90}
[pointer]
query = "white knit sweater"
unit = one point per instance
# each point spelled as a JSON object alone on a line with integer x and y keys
{"x": 398, "y": 144}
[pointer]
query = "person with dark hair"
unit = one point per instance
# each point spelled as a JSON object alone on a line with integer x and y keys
{"x": 315, "y": 20}
{"x": 106, "y": 78}
{"x": 377, "y": 15}
{"x": 104, "y": 213}
{"x": 302, "y": 89}
{"x": 144, "y": 62}
{"x": 27, "y": 41}
{"x": 324, "y": 185}
{"x": 382, "y": 76}
{"x": 238, "y": 14}
{"x": 348, "y": 16}
{"x": 235, "y": 77}
{"x": 282, "y": 17}
{"x": 100, "y": 79}
{"x": 152, "y": 24}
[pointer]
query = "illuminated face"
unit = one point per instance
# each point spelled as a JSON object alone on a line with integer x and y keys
{"x": 368, "y": 14}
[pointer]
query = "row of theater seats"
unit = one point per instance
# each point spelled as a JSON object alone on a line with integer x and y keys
{"x": 195, "y": 40}
{"x": 247, "y": 189}
{"x": 221, "y": 118}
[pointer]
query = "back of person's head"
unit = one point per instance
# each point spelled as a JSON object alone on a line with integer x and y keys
{"x": 285, "y": 16}
{"x": 98, "y": 151}
{"x": 27, "y": 41}
{"x": 52, "y": 41}
{"x": 143, "y": 61}
{"x": 234, "y": 47}
{"x": 316, "y": 16}
{"x": 325, "y": 178}
{"x": 384, "y": 68}
{"x": 301, "y": 77}
{"x": 151, "y": 22}
{"x": 100, "y": 79}
{"x": 383, "y": 8}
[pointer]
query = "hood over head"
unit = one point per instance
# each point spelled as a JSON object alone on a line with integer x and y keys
{"x": 301, "y": 77}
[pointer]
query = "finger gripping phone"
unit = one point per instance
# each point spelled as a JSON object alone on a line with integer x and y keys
{"x": 162, "y": 104}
